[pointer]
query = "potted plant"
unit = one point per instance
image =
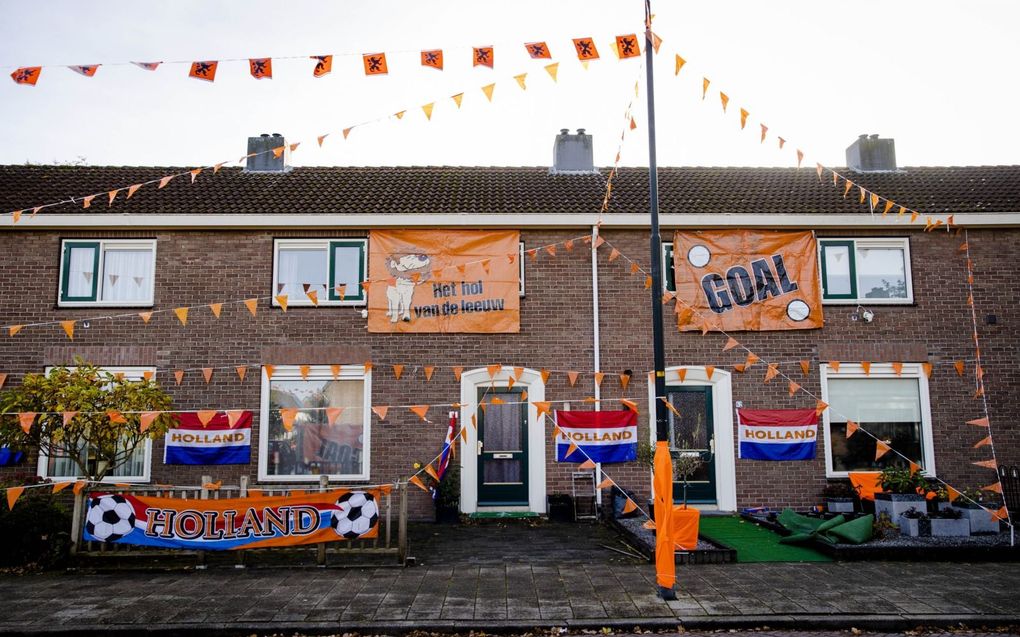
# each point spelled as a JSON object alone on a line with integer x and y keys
{"x": 445, "y": 493}
{"x": 949, "y": 523}
{"x": 914, "y": 523}
{"x": 839, "y": 497}
{"x": 902, "y": 490}
{"x": 975, "y": 504}
{"x": 561, "y": 507}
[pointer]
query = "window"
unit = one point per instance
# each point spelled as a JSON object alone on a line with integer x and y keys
{"x": 115, "y": 272}
{"x": 313, "y": 447}
{"x": 894, "y": 408}
{"x": 668, "y": 273}
{"x": 328, "y": 267}
{"x": 135, "y": 469}
{"x": 872, "y": 270}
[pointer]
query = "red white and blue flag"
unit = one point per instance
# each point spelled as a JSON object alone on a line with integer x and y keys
{"x": 777, "y": 434}
{"x": 444, "y": 457}
{"x": 215, "y": 442}
{"x": 602, "y": 436}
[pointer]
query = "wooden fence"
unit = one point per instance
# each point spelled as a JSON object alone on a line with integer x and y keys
{"x": 384, "y": 543}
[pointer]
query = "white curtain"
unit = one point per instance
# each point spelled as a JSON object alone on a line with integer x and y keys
{"x": 837, "y": 269}
{"x": 298, "y": 267}
{"x": 127, "y": 275}
{"x": 867, "y": 400}
{"x": 80, "y": 274}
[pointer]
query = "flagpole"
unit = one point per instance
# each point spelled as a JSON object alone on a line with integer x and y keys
{"x": 663, "y": 481}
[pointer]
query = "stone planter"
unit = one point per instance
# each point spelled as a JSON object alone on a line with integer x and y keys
{"x": 941, "y": 527}
{"x": 980, "y": 520}
{"x": 896, "y": 504}
{"x": 915, "y": 527}
{"x": 839, "y": 505}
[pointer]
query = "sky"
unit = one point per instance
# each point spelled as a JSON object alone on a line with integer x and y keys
{"x": 937, "y": 76}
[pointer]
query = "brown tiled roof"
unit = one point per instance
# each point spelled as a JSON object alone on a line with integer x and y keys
{"x": 474, "y": 190}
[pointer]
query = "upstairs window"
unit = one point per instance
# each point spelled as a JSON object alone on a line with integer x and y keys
{"x": 668, "y": 272}
{"x": 332, "y": 268}
{"x": 107, "y": 272}
{"x": 866, "y": 270}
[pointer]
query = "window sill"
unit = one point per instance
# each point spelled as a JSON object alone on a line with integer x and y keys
{"x": 70, "y": 305}
{"x": 321, "y": 304}
{"x": 867, "y": 302}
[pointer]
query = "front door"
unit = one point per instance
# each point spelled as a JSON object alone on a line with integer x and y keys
{"x": 692, "y": 438}
{"x": 502, "y": 448}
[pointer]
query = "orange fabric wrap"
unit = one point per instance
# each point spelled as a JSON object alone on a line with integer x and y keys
{"x": 867, "y": 484}
{"x": 685, "y": 528}
{"x": 665, "y": 560}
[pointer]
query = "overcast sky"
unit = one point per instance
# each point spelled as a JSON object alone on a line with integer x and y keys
{"x": 938, "y": 76}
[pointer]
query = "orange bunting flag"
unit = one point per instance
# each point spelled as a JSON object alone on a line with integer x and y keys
{"x": 204, "y": 70}
{"x": 3, "y": 379}
{"x": 88, "y": 70}
{"x": 624, "y": 381}
{"x": 145, "y": 316}
{"x": 605, "y": 484}
{"x": 488, "y": 89}
{"x": 821, "y": 406}
{"x": 851, "y": 428}
{"x": 205, "y": 416}
{"x": 322, "y": 138}
{"x": 60, "y": 486}
{"x": 629, "y": 506}
{"x": 959, "y": 366}
{"x": 277, "y": 153}
{"x": 112, "y": 195}
{"x": 730, "y": 344}
{"x": 182, "y": 315}
{"x": 287, "y": 415}
{"x": 979, "y": 422}
{"x": 427, "y": 109}
{"x": 14, "y": 329}
{"x": 332, "y": 413}
{"x": 614, "y": 254}
{"x": 987, "y": 464}
{"x": 881, "y": 448}
{"x": 398, "y": 371}
{"x": 87, "y": 201}
{"x": 834, "y": 366}
{"x": 914, "y": 468}
{"x": 145, "y": 420}
{"x": 483, "y": 56}
{"x": 432, "y": 58}
{"x": 682, "y": 374}
{"x": 542, "y": 407}
{"x": 926, "y": 367}
{"x": 704, "y": 87}
{"x": 724, "y": 99}
{"x": 571, "y": 448}
{"x": 709, "y": 370}
{"x": 375, "y": 64}
{"x": 304, "y": 370}
{"x": 587, "y": 465}
{"x": 648, "y": 282}
{"x": 68, "y": 328}
{"x": 846, "y": 188}
{"x": 347, "y": 131}
{"x": 771, "y": 372}
{"x": 866, "y": 366}
{"x": 598, "y": 378}
{"x": 818, "y": 170}
{"x": 457, "y": 371}
{"x": 740, "y": 367}
{"x": 429, "y": 469}
{"x": 585, "y": 48}
{"x": 416, "y": 481}
{"x": 381, "y": 411}
{"x": 281, "y": 299}
{"x": 782, "y": 142}
{"x": 323, "y": 66}
{"x": 863, "y": 193}
{"x": 670, "y": 406}
{"x": 207, "y": 373}
{"x": 116, "y": 418}
{"x": 518, "y": 372}
{"x": 545, "y": 374}
{"x": 987, "y": 440}
{"x": 555, "y": 432}
{"x": 429, "y": 370}
{"x": 794, "y": 388}
{"x": 79, "y": 486}
{"x": 420, "y": 410}
{"x": 572, "y": 377}
{"x": 234, "y": 416}
{"x": 269, "y": 371}
{"x": 178, "y": 376}
{"x": 216, "y": 309}
{"x": 13, "y": 493}
{"x": 629, "y": 404}
{"x": 520, "y": 81}
{"x": 752, "y": 358}
{"x": 995, "y": 487}
{"x": 552, "y": 69}
{"x": 25, "y": 419}
{"x": 627, "y": 46}
{"x": 493, "y": 370}
{"x": 679, "y": 65}
{"x": 800, "y": 157}
{"x": 261, "y": 68}
{"x": 743, "y": 118}
{"x": 27, "y": 75}
{"x": 313, "y": 296}
{"x": 165, "y": 180}
{"x": 898, "y": 368}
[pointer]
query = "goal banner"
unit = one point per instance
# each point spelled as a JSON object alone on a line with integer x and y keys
{"x": 233, "y": 523}
{"x": 753, "y": 280}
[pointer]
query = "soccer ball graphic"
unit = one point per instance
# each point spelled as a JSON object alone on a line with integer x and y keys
{"x": 356, "y": 515}
{"x": 110, "y": 518}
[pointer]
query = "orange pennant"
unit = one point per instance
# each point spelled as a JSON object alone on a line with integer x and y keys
{"x": 25, "y": 419}
{"x": 987, "y": 464}
{"x": 207, "y": 373}
{"x": 204, "y": 70}
{"x": 398, "y": 371}
{"x": 682, "y": 374}
{"x": 429, "y": 370}
{"x": 881, "y": 448}
{"x": 624, "y": 381}
{"x": 269, "y": 371}
{"x": 552, "y": 70}
{"x": 979, "y": 422}
{"x": 821, "y": 406}
{"x": 709, "y": 370}
{"x": 730, "y": 344}
{"x": 288, "y": 415}
{"x": 178, "y": 376}
{"x": 332, "y": 413}
{"x": 545, "y": 373}
{"x": 488, "y": 89}
{"x": 629, "y": 506}
{"x": 614, "y": 254}
{"x": 375, "y": 63}
{"x": 570, "y": 450}
{"x": 281, "y": 299}
{"x": 586, "y": 49}
{"x": 542, "y": 407}
{"x": 959, "y": 366}
{"x": 834, "y": 366}
{"x": 13, "y": 493}
{"x": 216, "y": 309}
{"x": 241, "y": 370}
{"x": 427, "y": 109}
{"x": 381, "y": 411}
{"x": 572, "y": 377}
{"x": 420, "y": 410}
{"x": 629, "y": 404}
{"x": 205, "y": 416}
{"x": 432, "y": 59}
{"x": 79, "y": 486}
{"x": 752, "y": 358}
{"x": 182, "y": 315}
{"x": 587, "y": 465}
{"x": 3, "y": 379}
{"x": 724, "y": 99}
{"x": 68, "y": 328}
{"x": 805, "y": 367}
{"x": 800, "y": 157}
{"x": 771, "y": 372}
{"x": 429, "y": 469}
{"x": 483, "y": 56}
{"x": 416, "y": 481}
{"x": 116, "y": 418}
{"x": 493, "y": 370}
{"x": 145, "y": 420}
{"x": 27, "y": 75}
{"x": 252, "y": 305}
{"x": 866, "y": 366}
{"x": 898, "y": 368}
{"x": 926, "y": 367}
{"x": 794, "y": 388}
{"x": 60, "y": 486}
{"x": 851, "y": 428}
{"x": 995, "y": 487}
{"x": 743, "y": 118}
{"x": 457, "y": 371}
{"x": 233, "y": 417}
{"x": 984, "y": 442}
{"x": 598, "y": 378}
{"x": 914, "y": 468}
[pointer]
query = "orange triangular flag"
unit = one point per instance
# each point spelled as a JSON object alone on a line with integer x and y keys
{"x": 709, "y": 370}
{"x": 287, "y": 415}
{"x": 545, "y": 373}
{"x": 520, "y": 80}
{"x": 332, "y": 413}
{"x": 704, "y": 87}
{"x": 457, "y": 371}
{"x": 282, "y": 300}
{"x": 898, "y": 368}
{"x": 987, "y": 464}
{"x": 510, "y": 382}
{"x": 670, "y": 406}
{"x": 79, "y": 485}
{"x": 771, "y": 372}
{"x": 416, "y": 481}
{"x": 572, "y": 377}
{"x": 959, "y": 366}
{"x": 794, "y": 388}
{"x": 914, "y": 468}
{"x": 724, "y": 99}
{"x": 679, "y": 65}
{"x": 429, "y": 370}
{"x": 851, "y": 428}
{"x": 14, "y": 329}
{"x": 13, "y": 493}
{"x": 205, "y": 416}
{"x": 421, "y": 410}
{"x": 605, "y": 484}
{"x": 381, "y": 411}
{"x": 598, "y": 378}
{"x": 518, "y": 372}
{"x": 866, "y": 366}
{"x": 995, "y": 487}
{"x": 629, "y": 404}
{"x": 252, "y": 305}
{"x": 429, "y": 469}
{"x": 241, "y": 371}
{"x": 3, "y": 379}
{"x": 427, "y": 109}
{"x": 145, "y": 420}
{"x": 463, "y": 434}
{"x": 570, "y": 450}
{"x": 730, "y": 344}
{"x": 743, "y": 118}
{"x": 207, "y": 374}
{"x": 821, "y": 406}
{"x": 178, "y": 376}
{"x": 487, "y": 89}
{"x": 233, "y": 417}
{"x": 980, "y": 422}
{"x": 805, "y": 367}
{"x": 60, "y": 486}
{"x": 682, "y": 374}
{"x": 398, "y": 371}
{"x": 881, "y": 448}
{"x": 68, "y": 328}
{"x": 269, "y": 371}
{"x": 1000, "y": 514}
{"x": 614, "y": 254}
{"x": 493, "y": 370}
{"x": 556, "y": 432}
{"x": 216, "y": 309}
{"x": 834, "y": 366}
{"x": 752, "y": 358}
{"x": 313, "y": 296}
{"x": 26, "y": 418}
{"x": 926, "y": 367}
{"x": 87, "y": 201}
{"x": 68, "y": 417}
{"x": 624, "y": 381}
{"x": 552, "y": 69}
{"x": 112, "y": 195}
{"x": 182, "y": 315}
{"x": 629, "y": 506}
{"x": 987, "y": 440}
{"x": 116, "y": 418}
{"x": 542, "y": 407}
{"x": 587, "y": 465}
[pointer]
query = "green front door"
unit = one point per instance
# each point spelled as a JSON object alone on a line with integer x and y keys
{"x": 502, "y": 448}
{"x": 692, "y": 436}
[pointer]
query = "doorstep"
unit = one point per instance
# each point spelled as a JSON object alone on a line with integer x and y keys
{"x": 488, "y": 515}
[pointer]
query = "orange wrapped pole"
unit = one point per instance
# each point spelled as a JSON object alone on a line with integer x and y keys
{"x": 665, "y": 560}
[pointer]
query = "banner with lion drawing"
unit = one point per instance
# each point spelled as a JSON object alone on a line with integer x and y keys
{"x": 444, "y": 281}
{"x": 233, "y": 523}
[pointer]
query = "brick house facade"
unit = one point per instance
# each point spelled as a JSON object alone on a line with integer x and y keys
{"x": 215, "y": 242}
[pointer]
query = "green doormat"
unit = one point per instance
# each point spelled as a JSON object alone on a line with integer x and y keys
{"x": 754, "y": 543}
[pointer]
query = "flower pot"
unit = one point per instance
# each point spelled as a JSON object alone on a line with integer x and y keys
{"x": 839, "y": 505}
{"x": 980, "y": 520}
{"x": 896, "y": 504}
{"x": 941, "y": 527}
{"x": 915, "y": 527}
{"x": 561, "y": 508}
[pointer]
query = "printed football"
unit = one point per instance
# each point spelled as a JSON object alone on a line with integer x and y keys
{"x": 356, "y": 515}
{"x": 110, "y": 518}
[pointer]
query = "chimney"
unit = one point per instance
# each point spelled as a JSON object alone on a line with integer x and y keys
{"x": 573, "y": 154}
{"x": 264, "y": 160}
{"x": 869, "y": 154}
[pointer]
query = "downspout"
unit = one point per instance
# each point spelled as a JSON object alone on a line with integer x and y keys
{"x": 597, "y": 359}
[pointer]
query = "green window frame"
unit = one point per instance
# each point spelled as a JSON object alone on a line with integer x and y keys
{"x": 358, "y": 293}
{"x": 852, "y": 253}
{"x": 68, "y": 246}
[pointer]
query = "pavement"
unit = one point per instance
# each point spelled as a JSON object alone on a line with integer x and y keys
{"x": 510, "y": 578}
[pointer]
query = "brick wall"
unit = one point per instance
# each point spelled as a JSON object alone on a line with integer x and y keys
{"x": 556, "y": 334}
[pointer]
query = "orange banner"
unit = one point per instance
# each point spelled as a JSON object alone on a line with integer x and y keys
{"x": 444, "y": 281}
{"x": 748, "y": 280}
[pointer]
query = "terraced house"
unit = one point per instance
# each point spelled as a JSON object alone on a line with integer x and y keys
{"x": 302, "y": 241}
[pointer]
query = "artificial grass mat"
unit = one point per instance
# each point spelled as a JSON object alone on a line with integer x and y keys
{"x": 754, "y": 543}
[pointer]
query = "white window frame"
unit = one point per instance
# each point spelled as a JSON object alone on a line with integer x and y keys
{"x": 98, "y": 275}
{"x": 880, "y": 371}
{"x": 902, "y": 243}
{"x": 315, "y": 372}
{"x": 667, "y": 267}
{"x": 130, "y": 373}
{"x": 325, "y": 243}
{"x": 520, "y": 261}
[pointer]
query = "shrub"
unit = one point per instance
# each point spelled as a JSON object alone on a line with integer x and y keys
{"x": 37, "y": 532}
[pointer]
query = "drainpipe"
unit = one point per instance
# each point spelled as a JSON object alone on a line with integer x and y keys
{"x": 597, "y": 361}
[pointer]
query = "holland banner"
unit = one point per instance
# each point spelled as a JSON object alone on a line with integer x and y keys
{"x": 602, "y": 436}
{"x": 216, "y": 442}
{"x": 777, "y": 434}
